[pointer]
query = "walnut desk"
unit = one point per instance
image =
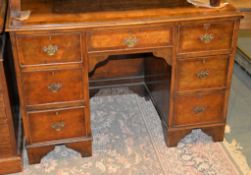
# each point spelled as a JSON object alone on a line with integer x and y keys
{"x": 183, "y": 54}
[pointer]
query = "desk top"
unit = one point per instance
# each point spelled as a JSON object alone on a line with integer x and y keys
{"x": 93, "y": 13}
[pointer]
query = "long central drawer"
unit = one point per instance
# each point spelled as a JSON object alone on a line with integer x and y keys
{"x": 129, "y": 38}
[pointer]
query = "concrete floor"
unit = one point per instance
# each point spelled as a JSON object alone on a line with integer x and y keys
{"x": 239, "y": 115}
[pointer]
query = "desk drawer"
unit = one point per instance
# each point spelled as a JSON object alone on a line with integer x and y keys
{"x": 52, "y": 86}
{"x": 195, "y": 109}
{"x": 58, "y": 124}
{"x": 205, "y": 72}
{"x": 125, "y": 38}
{"x": 206, "y": 36}
{"x": 49, "y": 48}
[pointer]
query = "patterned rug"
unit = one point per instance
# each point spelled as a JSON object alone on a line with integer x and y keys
{"x": 128, "y": 140}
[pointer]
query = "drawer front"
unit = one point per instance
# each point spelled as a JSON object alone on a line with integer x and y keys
{"x": 54, "y": 125}
{"x": 199, "y": 108}
{"x": 207, "y": 72}
{"x": 52, "y": 86}
{"x": 206, "y": 36}
{"x": 100, "y": 40}
{"x": 49, "y": 49}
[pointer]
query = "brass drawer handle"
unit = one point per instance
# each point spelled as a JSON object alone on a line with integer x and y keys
{"x": 55, "y": 87}
{"x": 50, "y": 50}
{"x": 206, "y": 38}
{"x": 199, "y": 109}
{"x": 131, "y": 42}
{"x": 202, "y": 74}
{"x": 58, "y": 126}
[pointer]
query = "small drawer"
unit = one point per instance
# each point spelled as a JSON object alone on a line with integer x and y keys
{"x": 52, "y": 86}
{"x": 206, "y": 36}
{"x": 196, "y": 109}
{"x": 205, "y": 72}
{"x": 49, "y": 48}
{"x": 56, "y": 125}
{"x": 125, "y": 38}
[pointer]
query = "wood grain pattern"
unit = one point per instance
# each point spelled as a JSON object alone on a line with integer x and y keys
{"x": 2, "y": 108}
{"x": 174, "y": 135}
{"x": 174, "y": 43}
{"x": 191, "y": 36}
{"x": 31, "y": 48}
{"x": 10, "y": 159}
{"x": 38, "y": 86}
{"x": 11, "y": 165}
{"x": 57, "y": 15}
{"x": 202, "y": 72}
{"x": 6, "y": 149}
{"x": 199, "y": 109}
{"x": 3, "y": 9}
{"x": 41, "y": 124}
{"x": 117, "y": 38}
{"x": 36, "y": 154}
{"x": 7, "y": 135}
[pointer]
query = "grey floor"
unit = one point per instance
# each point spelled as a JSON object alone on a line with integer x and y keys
{"x": 239, "y": 115}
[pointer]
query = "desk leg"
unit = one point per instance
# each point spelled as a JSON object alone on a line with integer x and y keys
{"x": 84, "y": 148}
{"x": 35, "y": 154}
{"x": 174, "y": 136}
{"x": 217, "y": 132}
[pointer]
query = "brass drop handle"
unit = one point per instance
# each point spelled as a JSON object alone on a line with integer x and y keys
{"x": 199, "y": 109}
{"x": 206, "y": 38}
{"x": 131, "y": 41}
{"x": 55, "y": 87}
{"x": 202, "y": 74}
{"x": 58, "y": 126}
{"x": 51, "y": 49}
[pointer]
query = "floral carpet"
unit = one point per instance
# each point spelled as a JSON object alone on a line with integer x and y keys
{"x": 128, "y": 140}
